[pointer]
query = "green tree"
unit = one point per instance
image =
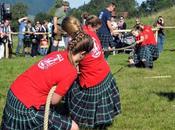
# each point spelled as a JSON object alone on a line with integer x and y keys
{"x": 57, "y": 4}
{"x": 18, "y": 10}
{"x": 42, "y": 16}
{"x": 151, "y": 6}
{"x": 95, "y": 6}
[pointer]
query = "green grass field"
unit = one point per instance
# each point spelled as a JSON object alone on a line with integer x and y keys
{"x": 147, "y": 103}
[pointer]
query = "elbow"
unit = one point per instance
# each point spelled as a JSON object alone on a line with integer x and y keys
{"x": 54, "y": 102}
{"x": 55, "y": 99}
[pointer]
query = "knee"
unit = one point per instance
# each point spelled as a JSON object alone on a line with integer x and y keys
{"x": 74, "y": 126}
{"x": 143, "y": 60}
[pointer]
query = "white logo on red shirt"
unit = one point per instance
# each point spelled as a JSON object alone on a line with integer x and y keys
{"x": 96, "y": 50}
{"x": 50, "y": 61}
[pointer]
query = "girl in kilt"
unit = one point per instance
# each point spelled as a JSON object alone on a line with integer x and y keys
{"x": 142, "y": 55}
{"x": 151, "y": 41}
{"x": 93, "y": 100}
{"x": 26, "y": 99}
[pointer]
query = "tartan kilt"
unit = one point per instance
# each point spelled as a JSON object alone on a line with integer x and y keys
{"x": 146, "y": 54}
{"x": 92, "y": 107}
{"x": 154, "y": 51}
{"x": 17, "y": 117}
{"x": 106, "y": 40}
{"x": 143, "y": 52}
{"x": 136, "y": 55}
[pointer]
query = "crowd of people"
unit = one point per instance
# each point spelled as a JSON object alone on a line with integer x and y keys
{"x": 42, "y": 37}
{"x": 90, "y": 103}
{"x": 39, "y": 38}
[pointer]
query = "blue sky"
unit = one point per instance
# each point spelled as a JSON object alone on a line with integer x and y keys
{"x": 77, "y": 3}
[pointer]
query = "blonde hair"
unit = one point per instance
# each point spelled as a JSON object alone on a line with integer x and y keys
{"x": 93, "y": 21}
{"x": 71, "y": 25}
{"x": 80, "y": 41}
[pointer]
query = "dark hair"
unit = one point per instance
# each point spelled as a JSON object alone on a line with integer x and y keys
{"x": 111, "y": 3}
{"x": 122, "y": 17}
{"x": 65, "y": 3}
{"x": 160, "y": 17}
{"x": 80, "y": 42}
{"x": 138, "y": 27}
{"x": 84, "y": 15}
{"x": 93, "y": 20}
{"x": 28, "y": 21}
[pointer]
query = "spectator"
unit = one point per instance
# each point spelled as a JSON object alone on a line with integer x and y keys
{"x": 38, "y": 26}
{"x": 121, "y": 26}
{"x": 84, "y": 16}
{"x": 1, "y": 41}
{"x": 60, "y": 14}
{"x": 43, "y": 47}
{"x": 121, "y": 23}
{"x": 28, "y": 38}
{"x": 116, "y": 38}
{"x": 36, "y": 39}
{"x": 7, "y": 39}
{"x": 137, "y": 21}
{"x": 105, "y": 30}
{"x": 50, "y": 30}
{"x": 22, "y": 24}
{"x": 114, "y": 24}
{"x": 161, "y": 35}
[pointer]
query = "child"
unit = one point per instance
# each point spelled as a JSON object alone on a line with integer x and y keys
{"x": 28, "y": 36}
{"x": 151, "y": 41}
{"x": 26, "y": 98}
{"x": 43, "y": 48}
{"x": 142, "y": 55}
{"x": 93, "y": 100}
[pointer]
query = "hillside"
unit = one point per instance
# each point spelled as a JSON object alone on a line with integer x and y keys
{"x": 34, "y": 6}
{"x": 166, "y": 13}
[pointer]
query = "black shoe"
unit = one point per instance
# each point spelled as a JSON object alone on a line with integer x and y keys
{"x": 131, "y": 65}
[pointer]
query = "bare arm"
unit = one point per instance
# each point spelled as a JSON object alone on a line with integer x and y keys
{"x": 21, "y": 19}
{"x": 56, "y": 99}
{"x": 140, "y": 41}
{"x": 109, "y": 26}
{"x": 55, "y": 22}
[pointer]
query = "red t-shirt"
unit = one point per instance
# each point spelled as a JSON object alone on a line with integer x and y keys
{"x": 93, "y": 68}
{"x": 32, "y": 87}
{"x": 144, "y": 35}
{"x": 151, "y": 38}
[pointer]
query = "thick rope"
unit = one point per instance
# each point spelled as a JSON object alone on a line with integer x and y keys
{"x": 47, "y": 107}
{"x": 123, "y": 48}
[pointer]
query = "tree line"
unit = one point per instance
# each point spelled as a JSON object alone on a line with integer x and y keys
{"x": 94, "y": 7}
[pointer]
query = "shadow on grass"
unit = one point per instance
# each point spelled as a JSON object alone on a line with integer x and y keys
{"x": 169, "y": 95}
{"x": 173, "y": 49}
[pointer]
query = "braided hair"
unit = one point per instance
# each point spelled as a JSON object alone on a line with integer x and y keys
{"x": 80, "y": 42}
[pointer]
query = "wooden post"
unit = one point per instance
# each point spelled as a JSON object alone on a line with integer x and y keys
{"x": 6, "y": 50}
{"x": 156, "y": 35}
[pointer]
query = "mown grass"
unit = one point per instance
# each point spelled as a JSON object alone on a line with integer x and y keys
{"x": 147, "y": 103}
